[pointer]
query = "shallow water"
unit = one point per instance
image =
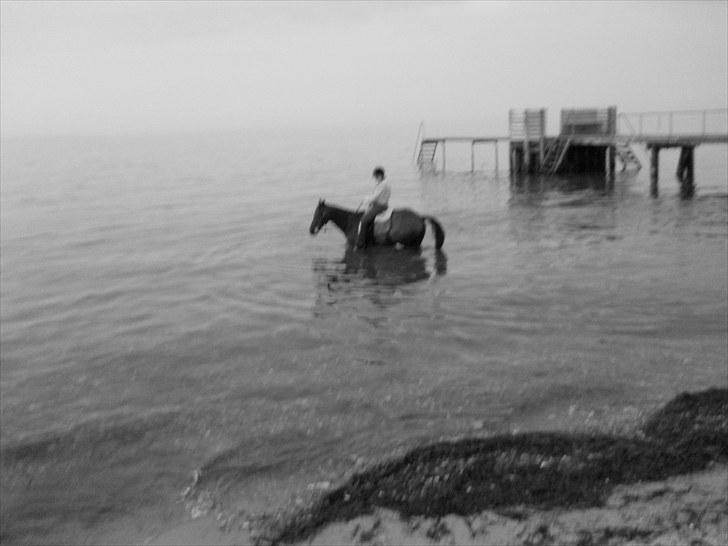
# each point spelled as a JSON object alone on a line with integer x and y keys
{"x": 164, "y": 309}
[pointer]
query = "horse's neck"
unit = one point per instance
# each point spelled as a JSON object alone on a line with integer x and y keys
{"x": 344, "y": 219}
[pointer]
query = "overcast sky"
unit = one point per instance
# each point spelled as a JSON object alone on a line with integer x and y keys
{"x": 104, "y": 67}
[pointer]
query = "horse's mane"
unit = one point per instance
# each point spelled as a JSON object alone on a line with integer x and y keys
{"x": 340, "y": 208}
{"x": 331, "y": 205}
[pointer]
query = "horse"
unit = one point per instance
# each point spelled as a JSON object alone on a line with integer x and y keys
{"x": 404, "y": 226}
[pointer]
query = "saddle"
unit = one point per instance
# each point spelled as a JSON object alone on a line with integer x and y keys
{"x": 402, "y": 226}
{"x": 380, "y": 229}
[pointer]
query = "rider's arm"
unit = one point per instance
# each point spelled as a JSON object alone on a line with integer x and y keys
{"x": 380, "y": 196}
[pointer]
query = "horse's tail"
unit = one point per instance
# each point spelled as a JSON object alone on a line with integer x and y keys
{"x": 439, "y": 232}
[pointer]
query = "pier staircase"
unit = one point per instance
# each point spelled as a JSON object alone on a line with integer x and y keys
{"x": 555, "y": 155}
{"x": 426, "y": 157}
{"x": 627, "y": 156}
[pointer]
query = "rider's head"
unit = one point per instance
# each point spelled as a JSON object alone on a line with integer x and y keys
{"x": 378, "y": 174}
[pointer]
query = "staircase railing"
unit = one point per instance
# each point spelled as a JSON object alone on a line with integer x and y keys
{"x": 623, "y": 117}
{"x": 562, "y": 154}
{"x": 556, "y": 153}
{"x": 418, "y": 141}
{"x": 551, "y": 152}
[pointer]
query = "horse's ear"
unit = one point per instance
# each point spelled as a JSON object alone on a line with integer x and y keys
{"x": 321, "y": 202}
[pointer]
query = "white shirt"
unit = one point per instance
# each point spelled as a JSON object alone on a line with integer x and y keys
{"x": 380, "y": 195}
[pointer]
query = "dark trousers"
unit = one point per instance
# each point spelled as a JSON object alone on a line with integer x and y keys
{"x": 367, "y": 222}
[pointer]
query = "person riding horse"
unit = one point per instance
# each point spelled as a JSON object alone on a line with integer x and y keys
{"x": 375, "y": 203}
{"x": 405, "y": 227}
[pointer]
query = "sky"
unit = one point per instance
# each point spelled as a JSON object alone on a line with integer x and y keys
{"x": 120, "y": 67}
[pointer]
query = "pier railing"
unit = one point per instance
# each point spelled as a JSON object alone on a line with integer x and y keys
{"x": 673, "y": 123}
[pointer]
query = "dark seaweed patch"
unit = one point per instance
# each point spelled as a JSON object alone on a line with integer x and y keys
{"x": 540, "y": 470}
{"x": 693, "y": 422}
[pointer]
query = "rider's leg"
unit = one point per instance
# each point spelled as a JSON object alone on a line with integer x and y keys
{"x": 364, "y": 224}
{"x": 367, "y": 223}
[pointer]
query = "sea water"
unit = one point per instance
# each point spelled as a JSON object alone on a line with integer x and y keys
{"x": 165, "y": 314}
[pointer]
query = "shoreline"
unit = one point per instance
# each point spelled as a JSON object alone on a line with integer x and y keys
{"x": 677, "y": 510}
{"x": 667, "y": 483}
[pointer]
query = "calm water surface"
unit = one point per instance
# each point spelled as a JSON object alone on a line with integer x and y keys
{"x": 164, "y": 309}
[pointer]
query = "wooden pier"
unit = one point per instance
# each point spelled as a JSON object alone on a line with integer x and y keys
{"x": 592, "y": 140}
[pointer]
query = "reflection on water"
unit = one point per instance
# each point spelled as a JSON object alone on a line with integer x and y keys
{"x": 538, "y": 186}
{"x": 375, "y": 273}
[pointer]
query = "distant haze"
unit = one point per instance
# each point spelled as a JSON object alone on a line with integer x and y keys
{"x": 111, "y": 67}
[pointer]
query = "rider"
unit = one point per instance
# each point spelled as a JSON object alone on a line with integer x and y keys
{"x": 375, "y": 203}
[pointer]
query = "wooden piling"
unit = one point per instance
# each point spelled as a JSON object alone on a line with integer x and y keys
{"x": 612, "y": 159}
{"x": 690, "y": 170}
{"x": 681, "y": 163}
{"x": 685, "y": 164}
{"x": 541, "y": 145}
{"x": 685, "y": 171}
{"x": 654, "y": 169}
{"x": 609, "y": 153}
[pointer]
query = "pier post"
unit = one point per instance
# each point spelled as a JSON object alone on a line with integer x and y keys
{"x": 690, "y": 167}
{"x": 443, "y": 156}
{"x": 685, "y": 171}
{"x": 609, "y": 160}
{"x": 542, "y": 135}
{"x": 680, "y": 164}
{"x": 612, "y": 159}
{"x": 654, "y": 169}
{"x": 518, "y": 159}
{"x": 472, "y": 156}
{"x": 541, "y": 153}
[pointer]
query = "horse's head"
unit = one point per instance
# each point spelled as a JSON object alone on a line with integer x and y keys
{"x": 319, "y": 218}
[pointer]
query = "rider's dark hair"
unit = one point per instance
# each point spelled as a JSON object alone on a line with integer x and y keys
{"x": 378, "y": 172}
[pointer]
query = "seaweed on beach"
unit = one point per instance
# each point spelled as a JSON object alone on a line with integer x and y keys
{"x": 693, "y": 421}
{"x": 539, "y": 470}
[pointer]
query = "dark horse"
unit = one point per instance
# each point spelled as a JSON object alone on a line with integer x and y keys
{"x": 405, "y": 226}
